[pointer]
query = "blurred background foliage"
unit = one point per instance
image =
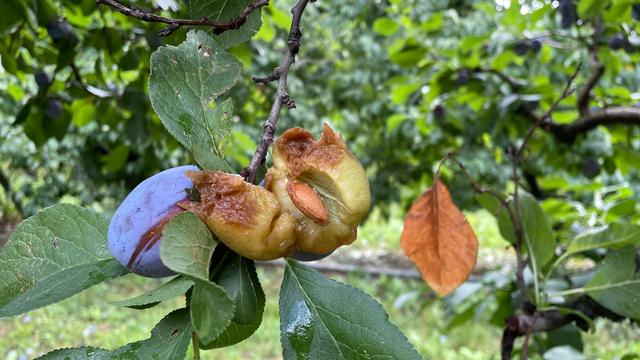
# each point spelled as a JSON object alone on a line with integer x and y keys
{"x": 404, "y": 81}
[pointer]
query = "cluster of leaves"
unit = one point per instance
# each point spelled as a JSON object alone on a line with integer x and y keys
{"x": 62, "y": 250}
{"x": 75, "y": 114}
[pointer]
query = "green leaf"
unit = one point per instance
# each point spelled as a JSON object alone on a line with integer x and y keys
{"x": 536, "y": 230}
{"x": 565, "y": 335}
{"x": 207, "y": 161}
{"x": 169, "y": 340}
{"x": 385, "y": 26}
{"x": 35, "y": 129}
{"x": 83, "y": 112}
{"x": 116, "y": 159}
{"x": 281, "y": 18}
{"x": 45, "y": 11}
{"x": 184, "y": 82}
{"x": 24, "y": 112}
{"x": 201, "y": 151}
{"x": 13, "y": 12}
{"x": 434, "y": 23}
{"x": 616, "y": 284}
{"x": 323, "y": 319}
{"x": 82, "y": 353}
{"x": 172, "y": 288}
{"x": 614, "y": 236}
{"x": 232, "y": 276}
{"x": 505, "y": 225}
{"x": 218, "y": 10}
{"x": 401, "y": 93}
{"x": 563, "y": 352}
{"x": 394, "y": 121}
{"x": 589, "y": 8}
{"x": 55, "y": 254}
{"x": 504, "y": 307}
{"x": 186, "y": 248}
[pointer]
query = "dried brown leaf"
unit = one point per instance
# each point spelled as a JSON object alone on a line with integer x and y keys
{"x": 439, "y": 240}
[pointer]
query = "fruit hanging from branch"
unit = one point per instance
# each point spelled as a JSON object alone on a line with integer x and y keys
{"x": 313, "y": 199}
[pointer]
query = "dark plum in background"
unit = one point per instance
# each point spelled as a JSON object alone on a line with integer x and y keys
{"x": 136, "y": 227}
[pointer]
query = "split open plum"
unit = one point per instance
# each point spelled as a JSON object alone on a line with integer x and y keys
{"x": 312, "y": 201}
{"x": 322, "y": 185}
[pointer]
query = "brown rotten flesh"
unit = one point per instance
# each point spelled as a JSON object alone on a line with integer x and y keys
{"x": 322, "y": 185}
{"x": 246, "y": 218}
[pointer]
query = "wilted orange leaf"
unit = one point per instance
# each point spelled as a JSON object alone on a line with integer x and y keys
{"x": 439, "y": 240}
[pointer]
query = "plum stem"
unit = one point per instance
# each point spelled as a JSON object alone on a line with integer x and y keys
{"x": 280, "y": 73}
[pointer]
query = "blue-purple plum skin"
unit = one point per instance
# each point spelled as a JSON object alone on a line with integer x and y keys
{"x": 306, "y": 256}
{"x": 136, "y": 227}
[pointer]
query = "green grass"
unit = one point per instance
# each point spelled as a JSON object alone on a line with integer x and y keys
{"x": 88, "y": 319}
{"x": 379, "y": 232}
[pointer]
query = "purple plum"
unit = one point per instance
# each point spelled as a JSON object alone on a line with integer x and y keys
{"x": 135, "y": 230}
{"x": 306, "y": 256}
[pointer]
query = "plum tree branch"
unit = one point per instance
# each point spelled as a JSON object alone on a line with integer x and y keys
{"x": 527, "y": 323}
{"x": 173, "y": 24}
{"x": 606, "y": 117}
{"x": 588, "y": 121}
{"x": 282, "y": 97}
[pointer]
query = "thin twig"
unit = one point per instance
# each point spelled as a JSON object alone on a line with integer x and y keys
{"x": 477, "y": 188}
{"x": 173, "y": 24}
{"x": 541, "y": 120}
{"x": 275, "y": 75}
{"x": 514, "y": 84}
{"x": 584, "y": 96}
{"x": 282, "y": 97}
